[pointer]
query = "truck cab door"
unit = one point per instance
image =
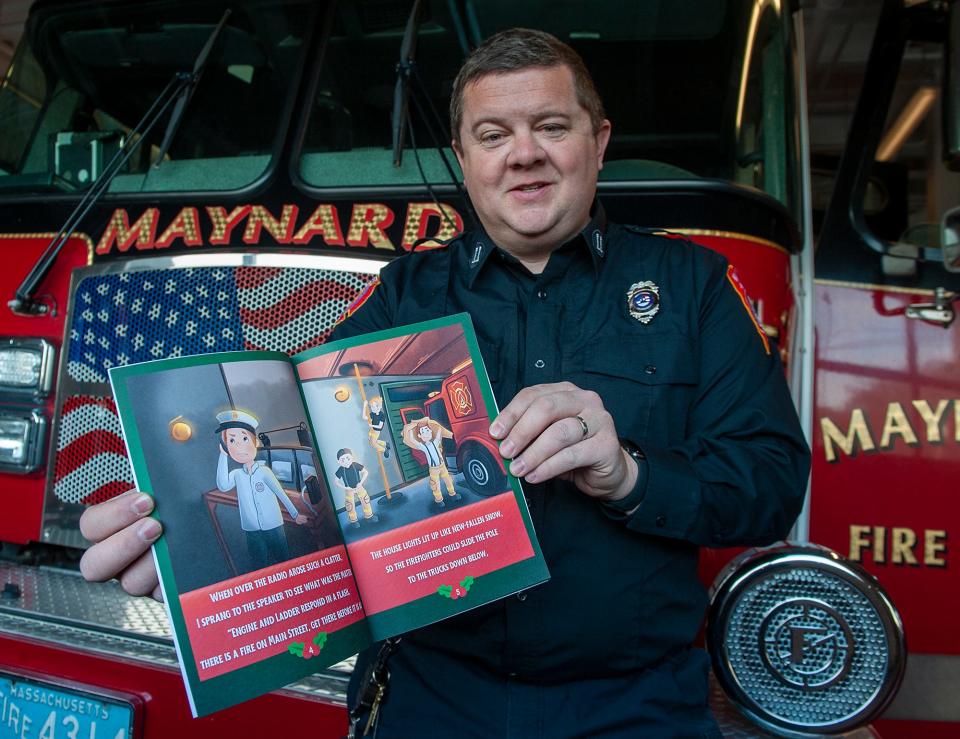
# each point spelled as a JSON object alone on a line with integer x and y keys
{"x": 887, "y": 392}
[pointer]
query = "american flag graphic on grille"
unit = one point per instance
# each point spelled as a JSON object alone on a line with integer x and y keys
{"x": 130, "y": 317}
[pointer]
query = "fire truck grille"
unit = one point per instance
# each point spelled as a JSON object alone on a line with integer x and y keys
{"x": 91, "y": 461}
{"x": 121, "y": 318}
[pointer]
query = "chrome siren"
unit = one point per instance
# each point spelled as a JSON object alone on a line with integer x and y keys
{"x": 803, "y": 641}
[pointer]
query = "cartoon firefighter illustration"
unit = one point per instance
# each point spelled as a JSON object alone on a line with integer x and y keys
{"x": 259, "y": 493}
{"x": 350, "y": 476}
{"x": 427, "y": 436}
{"x": 376, "y": 417}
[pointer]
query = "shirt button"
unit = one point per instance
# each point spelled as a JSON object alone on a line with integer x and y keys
{"x": 539, "y": 364}
{"x": 542, "y": 294}
{"x": 661, "y": 521}
{"x": 650, "y": 369}
{"x": 521, "y": 597}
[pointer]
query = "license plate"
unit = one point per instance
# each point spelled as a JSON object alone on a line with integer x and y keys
{"x": 33, "y": 709}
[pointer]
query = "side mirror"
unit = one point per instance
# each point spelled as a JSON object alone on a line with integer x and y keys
{"x": 950, "y": 239}
{"x": 951, "y": 91}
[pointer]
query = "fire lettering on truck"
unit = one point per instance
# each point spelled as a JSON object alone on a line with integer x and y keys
{"x": 368, "y": 225}
{"x": 223, "y": 223}
{"x": 323, "y": 221}
{"x": 425, "y": 224}
{"x": 119, "y": 231}
{"x": 418, "y": 222}
{"x": 185, "y": 226}
{"x": 898, "y": 545}
{"x": 281, "y": 229}
{"x": 860, "y": 436}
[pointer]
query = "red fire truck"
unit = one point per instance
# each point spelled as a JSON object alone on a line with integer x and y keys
{"x": 182, "y": 177}
{"x": 455, "y": 407}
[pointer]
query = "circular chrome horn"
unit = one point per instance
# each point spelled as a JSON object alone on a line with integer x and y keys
{"x": 803, "y": 641}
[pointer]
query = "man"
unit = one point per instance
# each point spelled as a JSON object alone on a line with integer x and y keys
{"x": 427, "y": 435}
{"x": 646, "y": 416}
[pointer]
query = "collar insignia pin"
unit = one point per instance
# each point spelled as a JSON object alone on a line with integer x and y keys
{"x": 598, "y": 242}
{"x": 643, "y": 301}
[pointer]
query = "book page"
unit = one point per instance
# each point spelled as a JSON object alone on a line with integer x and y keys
{"x": 433, "y": 523}
{"x": 252, "y": 563}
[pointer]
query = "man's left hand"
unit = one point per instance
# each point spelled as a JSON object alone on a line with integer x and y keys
{"x": 561, "y": 430}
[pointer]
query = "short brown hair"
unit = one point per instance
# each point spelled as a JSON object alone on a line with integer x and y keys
{"x": 522, "y": 48}
{"x": 423, "y": 423}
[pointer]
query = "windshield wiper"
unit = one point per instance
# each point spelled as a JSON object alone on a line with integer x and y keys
{"x": 410, "y": 84}
{"x": 186, "y": 92}
{"x": 401, "y": 90}
{"x": 179, "y": 89}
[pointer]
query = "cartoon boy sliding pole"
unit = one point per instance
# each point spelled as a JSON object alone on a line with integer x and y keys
{"x": 376, "y": 417}
{"x": 257, "y": 489}
{"x": 427, "y": 435}
{"x": 351, "y": 476}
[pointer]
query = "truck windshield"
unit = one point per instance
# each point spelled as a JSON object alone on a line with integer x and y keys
{"x": 695, "y": 89}
{"x": 85, "y": 74}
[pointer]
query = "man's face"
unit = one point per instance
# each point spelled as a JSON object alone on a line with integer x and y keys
{"x": 241, "y": 445}
{"x": 530, "y": 159}
{"x": 424, "y": 433}
{"x": 345, "y": 460}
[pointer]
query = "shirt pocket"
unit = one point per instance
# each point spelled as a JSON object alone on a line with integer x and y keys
{"x": 647, "y": 386}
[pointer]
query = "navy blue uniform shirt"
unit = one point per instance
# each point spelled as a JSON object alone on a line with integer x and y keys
{"x": 694, "y": 388}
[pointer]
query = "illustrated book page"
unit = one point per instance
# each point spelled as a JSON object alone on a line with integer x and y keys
{"x": 436, "y": 526}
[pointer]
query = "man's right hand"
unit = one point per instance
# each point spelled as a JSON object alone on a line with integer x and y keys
{"x": 122, "y": 531}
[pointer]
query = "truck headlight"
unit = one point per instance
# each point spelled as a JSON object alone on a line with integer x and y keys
{"x": 26, "y": 366}
{"x": 22, "y": 436}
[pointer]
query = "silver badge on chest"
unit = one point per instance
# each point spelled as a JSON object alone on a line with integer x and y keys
{"x": 643, "y": 300}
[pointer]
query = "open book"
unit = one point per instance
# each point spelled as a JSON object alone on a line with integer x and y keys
{"x": 317, "y": 503}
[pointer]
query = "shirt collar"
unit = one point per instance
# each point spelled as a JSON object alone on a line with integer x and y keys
{"x": 593, "y": 236}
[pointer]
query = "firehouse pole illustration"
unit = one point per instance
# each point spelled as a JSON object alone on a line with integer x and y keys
{"x": 390, "y": 499}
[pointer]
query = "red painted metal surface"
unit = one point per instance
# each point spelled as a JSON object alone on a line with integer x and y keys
{"x": 883, "y": 502}
{"x": 764, "y": 269}
{"x": 23, "y": 494}
{"x": 885, "y": 462}
{"x": 165, "y": 711}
